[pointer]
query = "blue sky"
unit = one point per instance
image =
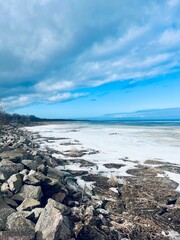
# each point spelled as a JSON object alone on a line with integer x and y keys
{"x": 73, "y": 59}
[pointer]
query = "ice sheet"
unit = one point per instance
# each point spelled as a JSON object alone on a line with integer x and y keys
{"x": 118, "y": 144}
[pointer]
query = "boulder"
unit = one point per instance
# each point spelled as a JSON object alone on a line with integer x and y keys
{"x": 8, "y": 168}
{"x": 65, "y": 232}
{"x": 13, "y": 155}
{"x": 49, "y": 185}
{"x": 28, "y": 204}
{"x": 63, "y": 209}
{"x": 5, "y": 211}
{"x": 28, "y": 191}
{"x": 10, "y": 202}
{"x": 18, "y": 223}
{"x": 49, "y": 224}
{"x": 30, "y": 164}
{"x": 15, "y": 182}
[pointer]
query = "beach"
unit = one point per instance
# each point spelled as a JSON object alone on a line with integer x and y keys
{"x": 82, "y": 180}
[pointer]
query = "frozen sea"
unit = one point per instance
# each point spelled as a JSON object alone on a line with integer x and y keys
{"x": 125, "y": 142}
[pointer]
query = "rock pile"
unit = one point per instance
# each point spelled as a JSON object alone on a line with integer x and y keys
{"x": 39, "y": 202}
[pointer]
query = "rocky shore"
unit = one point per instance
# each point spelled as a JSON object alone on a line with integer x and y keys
{"x": 37, "y": 201}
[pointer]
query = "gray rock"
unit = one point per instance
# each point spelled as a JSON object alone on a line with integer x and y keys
{"x": 8, "y": 235}
{"x": 30, "y": 164}
{"x": 49, "y": 224}
{"x": 65, "y": 232}
{"x": 8, "y": 168}
{"x": 41, "y": 168}
{"x": 63, "y": 209}
{"x": 15, "y": 182}
{"x": 13, "y": 155}
{"x": 18, "y": 223}
{"x": 5, "y": 211}
{"x": 28, "y": 204}
{"x": 55, "y": 173}
{"x": 49, "y": 185}
{"x": 10, "y": 202}
{"x": 28, "y": 191}
{"x": 31, "y": 180}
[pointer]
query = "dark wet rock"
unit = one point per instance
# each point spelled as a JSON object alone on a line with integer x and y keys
{"x": 28, "y": 204}
{"x": 15, "y": 182}
{"x": 8, "y": 168}
{"x": 91, "y": 232}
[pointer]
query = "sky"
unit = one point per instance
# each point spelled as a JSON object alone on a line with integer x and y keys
{"x": 88, "y": 58}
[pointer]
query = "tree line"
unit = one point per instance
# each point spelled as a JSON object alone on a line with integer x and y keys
{"x": 15, "y": 119}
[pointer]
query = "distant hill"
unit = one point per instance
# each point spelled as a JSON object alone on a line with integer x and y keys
{"x": 153, "y": 114}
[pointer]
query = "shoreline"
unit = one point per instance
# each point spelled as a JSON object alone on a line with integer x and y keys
{"x": 137, "y": 207}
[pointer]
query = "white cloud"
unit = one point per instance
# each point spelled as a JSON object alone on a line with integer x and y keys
{"x": 66, "y": 96}
{"x": 49, "y": 48}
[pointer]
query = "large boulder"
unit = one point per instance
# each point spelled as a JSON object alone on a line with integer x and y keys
{"x": 8, "y": 168}
{"x": 49, "y": 224}
{"x": 18, "y": 223}
{"x": 63, "y": 209}
{"x": 15, "y": 182}
{"x": 52, "y": 225}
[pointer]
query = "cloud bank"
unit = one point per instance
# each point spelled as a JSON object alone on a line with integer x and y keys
{"x": 51, "y": 50}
